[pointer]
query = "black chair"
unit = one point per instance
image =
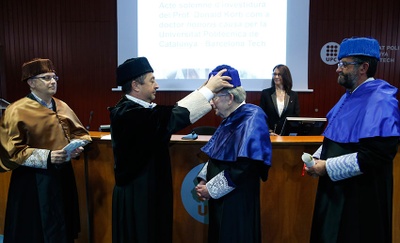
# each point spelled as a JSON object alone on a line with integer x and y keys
{"x": 204, "y": 130}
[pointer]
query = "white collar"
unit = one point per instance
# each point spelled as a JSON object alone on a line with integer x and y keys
{"x": 368, "y": 80}
{"x": 141, "y": 102}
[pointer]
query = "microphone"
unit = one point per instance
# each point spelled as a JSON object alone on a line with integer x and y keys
{"x": 90, "y": 120}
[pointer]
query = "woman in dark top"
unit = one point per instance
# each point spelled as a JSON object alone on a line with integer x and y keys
{"x": 279, "y": 101}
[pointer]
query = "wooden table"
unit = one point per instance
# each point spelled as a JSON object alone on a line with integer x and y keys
{"x": 287, "y": 198}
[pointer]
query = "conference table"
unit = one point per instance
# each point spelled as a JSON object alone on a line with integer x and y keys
{"x": 287, "y": 197}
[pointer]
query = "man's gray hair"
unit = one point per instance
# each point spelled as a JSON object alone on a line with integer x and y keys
{"x": 239, "y": 94}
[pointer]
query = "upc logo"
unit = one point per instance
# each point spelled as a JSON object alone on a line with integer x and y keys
{"x": 329, "y": 53}
{"x": 196, "y": 208}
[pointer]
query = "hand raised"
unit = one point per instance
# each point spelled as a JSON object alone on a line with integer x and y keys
{"x": 218, "y": 82}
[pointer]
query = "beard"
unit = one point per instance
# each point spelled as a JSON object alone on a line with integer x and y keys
{"x": 347, "y": 80}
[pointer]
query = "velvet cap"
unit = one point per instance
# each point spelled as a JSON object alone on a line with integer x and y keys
{"x": 35, "y": 67}
{"x": 132, "y": 68}
{"x": 359, "y": 46}
{"x": 231, "y": 72}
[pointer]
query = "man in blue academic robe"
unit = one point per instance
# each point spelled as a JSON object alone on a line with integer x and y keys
{"x": 355, "y": 162}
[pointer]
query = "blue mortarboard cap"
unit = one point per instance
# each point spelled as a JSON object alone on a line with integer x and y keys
{"x": 359, "y": 46}
{"x": 231, "y": 72}
{"x": 131, "y": 69}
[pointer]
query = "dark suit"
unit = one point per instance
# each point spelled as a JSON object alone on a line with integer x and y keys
{"x": 270, "y": 107}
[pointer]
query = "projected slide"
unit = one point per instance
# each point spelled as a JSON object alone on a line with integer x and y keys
{"x": 184, "y": 40}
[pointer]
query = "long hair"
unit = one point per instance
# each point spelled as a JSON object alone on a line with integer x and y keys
{"x": 286, "y": 77}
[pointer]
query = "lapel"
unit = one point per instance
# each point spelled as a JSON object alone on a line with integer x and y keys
{"x": 273, "y": 97}
{"x": 286, "y": 103}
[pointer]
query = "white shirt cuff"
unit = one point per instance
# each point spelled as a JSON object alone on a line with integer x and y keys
{"x": 317, "y": 153}
{"x": 203, "y": 173}
{"x": 206, "y": 92}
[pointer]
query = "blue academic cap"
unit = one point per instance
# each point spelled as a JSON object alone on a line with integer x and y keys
{"x": 359, "y": 46}
{"x": 231, "y": 72}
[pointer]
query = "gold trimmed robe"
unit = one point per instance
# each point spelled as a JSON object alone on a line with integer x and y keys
{"x": 42, "y": 203}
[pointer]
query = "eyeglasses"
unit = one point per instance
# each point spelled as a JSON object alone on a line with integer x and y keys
{"x": 216, "y": 97}
{"x": 345, "y": 64}
{"x": 47, "y": 77}
{"x": 276, "y": 74}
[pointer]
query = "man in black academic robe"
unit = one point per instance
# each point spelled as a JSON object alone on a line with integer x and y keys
{"x": 140, "y": 132}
